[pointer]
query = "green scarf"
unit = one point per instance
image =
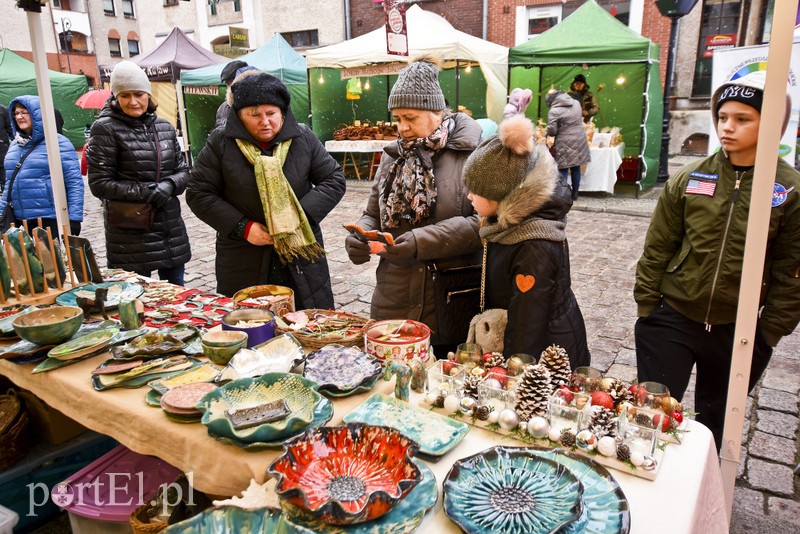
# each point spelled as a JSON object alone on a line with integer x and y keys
{"x": 285, "y": 219}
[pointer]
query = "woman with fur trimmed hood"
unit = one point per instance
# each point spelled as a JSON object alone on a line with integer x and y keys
{"x": 515, "y": 186}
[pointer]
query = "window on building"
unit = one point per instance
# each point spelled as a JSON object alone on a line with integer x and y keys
{"x": 619, "y": 10}
{"x": 766, "y": 27}
{"x": 113, "y": 47}
{"x": 302, "y": 39}
{"x": 133, "y": 48}
{"x": 719, "y": 24}
{"x": 57, "y": 4}
{"x": 212, "y": 4}
{"x": 170, "y": 2}
{"x": 108, "y": 7}
{"x": 237, "y": 5}
{"x": 65, "y": 41}
{"x": 127, "y": 9}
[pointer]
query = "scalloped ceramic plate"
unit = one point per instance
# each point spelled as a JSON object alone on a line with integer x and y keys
{"x": 116, "y": 291}
{"x": 51, "y": 364}
{"x": 435, "y": 433}
{"x": 508, "y": 490}
{"x": 233, "y": 519}
{"x": 300, "y": 394}
{"x": 342, "y": 371}
{"x": 405, "y": 517}
{"x": 83, "y": 345}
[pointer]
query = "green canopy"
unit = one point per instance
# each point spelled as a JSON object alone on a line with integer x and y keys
{"x": 620, "y": 66}
{"x": 18, "y": 77}
{"x": 277, "y": 57}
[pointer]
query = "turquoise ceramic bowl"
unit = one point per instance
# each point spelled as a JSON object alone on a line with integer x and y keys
{"x": 232, "y": 519}
{"x": 49, "y": 326}
{"x": 219, "y": 346}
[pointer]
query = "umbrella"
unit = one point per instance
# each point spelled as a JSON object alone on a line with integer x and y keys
{"x": 94, "y": 99}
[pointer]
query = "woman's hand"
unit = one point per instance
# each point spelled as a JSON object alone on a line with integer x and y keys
{"x": 259, "y": 236}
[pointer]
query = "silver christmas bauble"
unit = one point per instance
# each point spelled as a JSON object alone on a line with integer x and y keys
{"x": 492, "y": 383}
{"x": 452, "y": 403}
{"x": 649, "y": 463}
{"x": 467, "y": 405}
{"x": 508, "y": 419}
{"x": 586, "y": 440}
{"x": 607, "y": 446}
{"x": 493, "y": 416}
{"x": 538, "y": 427}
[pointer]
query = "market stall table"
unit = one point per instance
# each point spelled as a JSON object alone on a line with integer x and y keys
{"x": 601, "y": 172}
{"x": 689, "y": 484}
{"x": 368, "y": 146}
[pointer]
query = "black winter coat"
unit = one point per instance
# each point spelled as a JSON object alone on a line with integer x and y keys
{"x": 222, "y": 192}
{"x": 122, "y": 162}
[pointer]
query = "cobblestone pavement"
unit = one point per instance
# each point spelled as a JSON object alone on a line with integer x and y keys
{"x": 606, "y": 236}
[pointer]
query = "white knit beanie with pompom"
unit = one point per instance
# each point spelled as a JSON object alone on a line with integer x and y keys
{"x": 500, "y": 163}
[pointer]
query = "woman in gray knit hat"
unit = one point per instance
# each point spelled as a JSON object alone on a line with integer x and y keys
{"x": 419, "y": 197}
{"x": 515, "y": 186}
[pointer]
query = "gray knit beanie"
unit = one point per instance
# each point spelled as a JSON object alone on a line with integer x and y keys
{"x": 128, "y": 76}
{"x": 500, "y": 163}
{"x": 417, "y": 87}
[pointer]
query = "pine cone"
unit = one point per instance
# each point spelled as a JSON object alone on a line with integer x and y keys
{"x": 439, "y": 402}
{"x": 533, "y": 389}
{"x": 471, "y": 385}
{"x": 618, "y": 390}
{"x": 482, "y": 412}
{"x": 495, "y": 360}
{"x": 644, "y": 420}
{"x": 556, "y": 360}
{"x": 567, "y": 438}
{"x": 603, "y": 422}
{"x": 623, "y": 453}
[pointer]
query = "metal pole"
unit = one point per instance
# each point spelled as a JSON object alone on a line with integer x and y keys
{"x": 663, "y": 163}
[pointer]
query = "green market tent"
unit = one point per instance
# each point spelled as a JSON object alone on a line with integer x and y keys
{"x": 621, "y": 67}
{"x": 18, "y": 77}
{"x": 203, "y": 91}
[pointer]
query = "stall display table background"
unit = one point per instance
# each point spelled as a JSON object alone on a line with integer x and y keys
{"x": 351, "y": 148}
{"x": 601, "y": 172}
{"x": 687, "y": 496}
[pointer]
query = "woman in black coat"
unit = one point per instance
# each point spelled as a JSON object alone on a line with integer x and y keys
{"x": 134, "y": 156}
{"x": 264, "y": 182}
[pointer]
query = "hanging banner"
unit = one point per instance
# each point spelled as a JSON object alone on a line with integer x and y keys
{"x": 733, "y": 63}
{"x": 396, "y": 29}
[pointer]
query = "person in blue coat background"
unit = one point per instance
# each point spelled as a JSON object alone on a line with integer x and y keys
{"x": 31, "y": 194}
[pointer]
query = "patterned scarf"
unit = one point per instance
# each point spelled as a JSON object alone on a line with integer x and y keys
{"x": 286, "y": 221}
{"x": 410, "y": 189}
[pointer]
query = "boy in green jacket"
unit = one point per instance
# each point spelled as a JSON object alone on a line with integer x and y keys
{"x": 687, "y": 280}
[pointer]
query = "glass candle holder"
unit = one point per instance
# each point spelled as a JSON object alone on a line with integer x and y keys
{"x": 564, "y": 413}
{"x": 497, "y": 391}
{"x": 638, "y": 432}
{"x": 445, "y": 376}
{"x": 469, "y": 354}
{"x": 585, "y": 379}
{"x": 652, "y": 396}
{"x": 517, "y": 363}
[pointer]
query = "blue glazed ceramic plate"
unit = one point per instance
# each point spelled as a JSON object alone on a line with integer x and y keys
{"x": 116, "y": 291}
{"x": 405, "y": 517}
{"x": 435, "y": 433}
{"x": 508, "y": 490}
{"x": 342, "y": 371}
{"x": 233, "y": 519}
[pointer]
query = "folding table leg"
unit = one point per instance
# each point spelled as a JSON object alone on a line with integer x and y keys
{"x": 355, "y": 165}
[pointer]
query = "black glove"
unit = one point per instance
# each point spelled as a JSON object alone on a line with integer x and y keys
{"x": 161, "y": 194}
{"x": 75, "y": 227}
{"x": 404, "y": 251}
{"x": 357, "y": 250}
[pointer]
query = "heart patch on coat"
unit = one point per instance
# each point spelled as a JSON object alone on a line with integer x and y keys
{"x": 525, "y": 282}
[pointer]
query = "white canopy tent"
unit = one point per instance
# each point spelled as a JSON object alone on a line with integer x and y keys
{"x": 428, "y": 33}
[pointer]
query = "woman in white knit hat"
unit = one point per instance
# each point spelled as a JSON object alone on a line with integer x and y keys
{"x": 419, "y": 197}
{"x": 136, "y": 167}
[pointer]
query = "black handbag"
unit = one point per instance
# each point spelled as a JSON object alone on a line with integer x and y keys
{"x": 457, "y": 293}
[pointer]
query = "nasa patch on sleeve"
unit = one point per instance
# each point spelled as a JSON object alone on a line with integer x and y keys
{"x": 779, "y": 194}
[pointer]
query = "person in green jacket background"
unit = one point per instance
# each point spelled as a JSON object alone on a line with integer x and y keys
{"x": 688, "y": 277}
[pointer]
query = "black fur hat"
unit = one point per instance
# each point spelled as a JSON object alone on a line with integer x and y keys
{"x": 256, "y": 88}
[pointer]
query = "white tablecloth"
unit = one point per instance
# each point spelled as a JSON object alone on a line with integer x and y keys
{"x": 368, "y": 145}
{"x": 601, "y": 172}
{"x": 685, "y": 497}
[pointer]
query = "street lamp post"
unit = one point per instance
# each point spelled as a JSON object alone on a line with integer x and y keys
{"x": 65, "y": 31}
{"x": 674, "y": 9}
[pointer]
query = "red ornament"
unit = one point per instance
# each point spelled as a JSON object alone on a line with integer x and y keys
{"x": 566, "y": 394}
{"x": 601, "y": 398}
{"x": 663, "y": 421}
{"x": 677, "y": 416}
{"x": 487, "y": 356}
{"x": 499, "y": 374}
{"x": 447, "y": 366}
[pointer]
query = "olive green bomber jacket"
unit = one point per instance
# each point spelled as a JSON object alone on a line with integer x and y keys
{"x": 695, "y": 245}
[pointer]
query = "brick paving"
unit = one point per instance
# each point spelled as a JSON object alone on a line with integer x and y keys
{"x": 606, "y": 235}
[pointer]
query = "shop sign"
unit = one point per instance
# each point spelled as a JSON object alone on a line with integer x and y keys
{"x": 396, "y": 29}
{"x": 371, "y": 70}
{"x": 211, "y": 90}
{"x": 718, "y": 42}
{"x": 239, "y": 37}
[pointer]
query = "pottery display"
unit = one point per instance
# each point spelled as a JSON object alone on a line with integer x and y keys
{"x": 233, "y": 519}
{"x": 258, "y": 324}
{"x": 348, "y": 474}
{"x": 219, "y": 346}
{"x": 399, "y": 340}
{"x": 83, "y": 345}
{"x": 7, "y": 316}
{"x": 277, "y": 299}
{"x": 280, "y": 354}
{"x": 116, "y": 291}
{"x": 342, "y": 370}
{"x": 48, "y": 326}
{"x": 143, "y": 373}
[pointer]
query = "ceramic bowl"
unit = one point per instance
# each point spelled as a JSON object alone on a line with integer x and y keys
{"x": 255, "y": 334}
{"x": 300, "y": 395}
{"x": 219, "y": 346}
{"x": 347, "y": 474}
{"x": 49, "y": 326}
{"x": 234, "y": 519}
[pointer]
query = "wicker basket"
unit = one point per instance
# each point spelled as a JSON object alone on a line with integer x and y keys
{"x": 140, "y": 522}
{"x": 14, "y": 437}
{"x": 278, "y": 308}
{"x": 353, "y": 338}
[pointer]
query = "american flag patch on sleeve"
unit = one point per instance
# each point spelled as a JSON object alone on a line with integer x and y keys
{"x": 700, "y": 187}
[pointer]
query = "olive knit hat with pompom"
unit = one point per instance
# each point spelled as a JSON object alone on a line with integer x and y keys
{"x": 500, "y": 163}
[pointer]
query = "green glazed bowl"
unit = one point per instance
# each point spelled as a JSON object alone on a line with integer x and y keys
{"x": 49, "y": 326}
{"x": 300, "y": 394}
{"x": 219, "y": 346}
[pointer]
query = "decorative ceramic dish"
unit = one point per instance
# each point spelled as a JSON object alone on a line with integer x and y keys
{"x": 399, "y": 340}
{"x": 116, "y": 291}
{"x": 24, "y": 348}
{"x": 347, "y": 474}
{"x": 8, "y": 314}
{"x": 51, "y": 259}
{"x": 300, "y": 394}
{"x": 202, "y": 373}
{"x": 51, "y": 364}
{"x": 48, "y": 326}
{"x": 233, "y": 519}
{"x": 83, "y": 345}
{"x": 405, "y": 517}
{"x": 163, "y": 341}
{"x": 144, "y": 373}
{"x": 342, "y": 370}
{"x": 280, "y": 354}
{"x": 508, "y": 490}
{"x": 436, "y": 434}
{"x": 34, "y": 265}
